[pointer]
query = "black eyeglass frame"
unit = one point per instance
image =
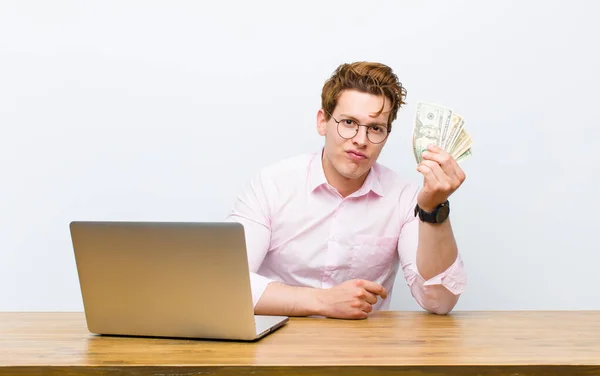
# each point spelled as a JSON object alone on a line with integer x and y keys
{"x": 368, "y": 126}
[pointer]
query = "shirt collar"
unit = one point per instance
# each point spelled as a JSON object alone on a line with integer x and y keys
{"x": 317, "y": 177}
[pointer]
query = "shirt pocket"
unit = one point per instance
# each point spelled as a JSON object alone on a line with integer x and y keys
{"x": 372, "y": 257}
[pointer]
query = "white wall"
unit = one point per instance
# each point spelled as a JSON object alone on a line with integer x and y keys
{"x": 140, "y": 110}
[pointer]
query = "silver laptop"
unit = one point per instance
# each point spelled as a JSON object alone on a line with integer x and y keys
{"x": 167, "y": 279}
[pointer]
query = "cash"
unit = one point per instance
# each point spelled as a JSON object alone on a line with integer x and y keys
{"x": 441, "y": 126}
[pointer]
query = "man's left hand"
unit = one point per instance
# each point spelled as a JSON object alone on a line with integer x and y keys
{"x": 442, "y": 177}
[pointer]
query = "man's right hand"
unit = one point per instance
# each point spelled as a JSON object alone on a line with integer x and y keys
{"x": 352, "y": 299}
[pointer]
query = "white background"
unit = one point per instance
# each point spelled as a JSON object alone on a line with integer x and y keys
{"x": 148, "y": 110}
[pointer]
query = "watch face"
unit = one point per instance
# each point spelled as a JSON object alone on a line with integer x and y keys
{"x": 443, "y": 213}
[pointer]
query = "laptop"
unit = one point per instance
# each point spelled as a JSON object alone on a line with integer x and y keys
{"x": 167, "y": 279}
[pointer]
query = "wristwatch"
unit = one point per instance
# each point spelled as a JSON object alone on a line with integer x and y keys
{"x": 438, "y": 215}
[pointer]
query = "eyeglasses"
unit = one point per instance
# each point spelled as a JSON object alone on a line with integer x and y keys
{"x": 348, "y": 128}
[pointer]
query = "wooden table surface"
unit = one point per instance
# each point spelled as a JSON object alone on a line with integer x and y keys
{"x": 399, "y": 343}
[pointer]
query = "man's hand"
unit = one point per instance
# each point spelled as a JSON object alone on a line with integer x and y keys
{"x": 442, "y": 177}
{"x": 352, "y": 299}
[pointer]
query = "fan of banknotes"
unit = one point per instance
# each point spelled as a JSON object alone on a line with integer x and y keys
{"x": 441, "y": 126}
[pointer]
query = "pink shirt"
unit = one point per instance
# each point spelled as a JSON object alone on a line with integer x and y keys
{"x": 302, "y": 232}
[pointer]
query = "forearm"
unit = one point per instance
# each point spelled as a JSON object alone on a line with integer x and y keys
{"x": 436, "y": 250}
{"x": 280, "y": 299}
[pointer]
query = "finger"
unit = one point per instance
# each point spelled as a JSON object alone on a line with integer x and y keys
{"x": 366, "y": 307}
{"x": 375, "y": 288}
{"x": 448, "y": 163}
{"x": 460, "y": 174}
{"x": 442, "y": 158}
{"x": 435, "y": 149}
{"x": 368, "y": 296}
{"x": 441, "y": 178}
{"x": 359, "y": 309}
{"x": 427, "y": 173}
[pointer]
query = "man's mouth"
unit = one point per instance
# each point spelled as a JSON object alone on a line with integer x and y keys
{"x": 356, "y": 155}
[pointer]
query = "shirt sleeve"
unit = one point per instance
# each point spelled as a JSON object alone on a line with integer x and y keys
{"x": 251, "y": 209}
{"x": 432, "y": 294}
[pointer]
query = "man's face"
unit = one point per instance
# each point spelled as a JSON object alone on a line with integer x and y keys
{"x": 352, "y": 158}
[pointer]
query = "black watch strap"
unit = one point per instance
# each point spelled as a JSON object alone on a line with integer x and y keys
{"x": 438, "y": 215}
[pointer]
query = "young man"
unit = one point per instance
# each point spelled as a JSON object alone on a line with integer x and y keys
{"x": 327, "y": 232}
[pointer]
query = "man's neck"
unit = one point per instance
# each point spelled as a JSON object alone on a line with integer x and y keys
{"x": 349, "y": 187}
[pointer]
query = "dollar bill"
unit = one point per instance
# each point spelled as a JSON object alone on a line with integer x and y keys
{"x": 449, "y": 132}
{"x": 453, "y": 132}
{"x": 430, "y": 122}
{"x": 463, "y": 143}
{"x": 464, "y": 156}
{"x": 441, "y": 126}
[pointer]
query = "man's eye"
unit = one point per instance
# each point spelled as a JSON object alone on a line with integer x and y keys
{"x": 348, "y": 122}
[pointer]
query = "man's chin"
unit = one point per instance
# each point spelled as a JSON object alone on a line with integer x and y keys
{"x": 353, "y": 175}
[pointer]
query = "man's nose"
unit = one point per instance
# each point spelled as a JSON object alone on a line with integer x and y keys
{"x": 361, "y": 136}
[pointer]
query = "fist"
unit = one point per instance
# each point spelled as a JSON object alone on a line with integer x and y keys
{"x": 353, "y": 299}
{"x": 441, "y": 177}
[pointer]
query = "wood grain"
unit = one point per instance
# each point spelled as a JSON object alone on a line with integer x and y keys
{"x": 405, "y": 343}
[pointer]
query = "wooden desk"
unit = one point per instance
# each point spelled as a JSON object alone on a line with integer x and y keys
{"x": 390, "y": 343}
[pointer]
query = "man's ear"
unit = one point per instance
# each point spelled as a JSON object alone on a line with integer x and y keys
{"x": 321, "y": 122}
